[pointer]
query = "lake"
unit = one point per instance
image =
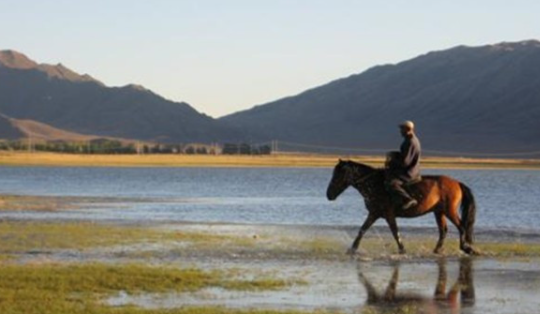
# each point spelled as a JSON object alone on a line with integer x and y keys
{"x": 506, "y": 199}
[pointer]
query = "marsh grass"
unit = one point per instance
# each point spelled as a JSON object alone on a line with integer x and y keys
{"x": 207, "y": 310}
{"x": 417, "y": 247}
{"x": 325, "y": 248}
{"x": 383, "y": 247}
{"x": 211, "y": 240}
{"x": 79, "y": 288}
{"x": 26, "y": 236}
{"x": 36, "y": 203}
{"x": 517, "y": 249}
{"x": 18, "y": 237}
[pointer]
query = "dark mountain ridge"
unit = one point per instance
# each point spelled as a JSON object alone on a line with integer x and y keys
{"x": 61, "y": 98}
{"x": 465, "y": 99}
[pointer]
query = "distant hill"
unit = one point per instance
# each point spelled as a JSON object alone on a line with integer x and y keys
{"x": 39, "y": 131}
{"x": 465, "y": 99}
{"x": 8, "y": 130}
{"x": 60, "y": 98}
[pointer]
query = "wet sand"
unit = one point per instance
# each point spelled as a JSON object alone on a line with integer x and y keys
{"x": 376, "y": 280}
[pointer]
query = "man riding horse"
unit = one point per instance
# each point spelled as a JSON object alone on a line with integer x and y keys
{"x": 445, "y": 197}
{"x": 403, "y": 167}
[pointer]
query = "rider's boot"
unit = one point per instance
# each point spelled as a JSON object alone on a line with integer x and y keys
{"x": 409, "y": 203}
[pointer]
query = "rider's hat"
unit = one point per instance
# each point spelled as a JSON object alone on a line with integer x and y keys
{"x": 407, "y": 124}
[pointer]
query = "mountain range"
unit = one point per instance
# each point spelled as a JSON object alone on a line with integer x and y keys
{"x": 55, "y": 96}
{"x": 463, "y": 100}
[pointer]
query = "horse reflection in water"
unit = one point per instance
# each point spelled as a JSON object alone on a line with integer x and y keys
{"x": 461, "y": 294}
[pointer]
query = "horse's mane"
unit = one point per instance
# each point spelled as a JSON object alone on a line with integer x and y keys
{"x": 362, "y": 166}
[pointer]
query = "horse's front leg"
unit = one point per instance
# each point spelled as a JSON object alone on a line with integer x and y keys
{"x": 391, "y": 220}
{"x": 365, "y": 226}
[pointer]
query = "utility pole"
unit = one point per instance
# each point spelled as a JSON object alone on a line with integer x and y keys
{"x": 30, "y": 149}
{"x": 274, "y": 147}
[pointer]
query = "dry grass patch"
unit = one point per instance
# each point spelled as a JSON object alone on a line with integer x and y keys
{"x": 283, "y": 160}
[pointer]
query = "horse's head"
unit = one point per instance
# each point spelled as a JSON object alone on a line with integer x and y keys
{"x": 340, "y": 180}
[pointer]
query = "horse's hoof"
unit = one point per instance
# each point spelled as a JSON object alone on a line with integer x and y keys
{"x": 351, "y": 251}
{"x": 470, "y": 250}
{"x": 402, "y": 251}
{"x": 438, "y": 251}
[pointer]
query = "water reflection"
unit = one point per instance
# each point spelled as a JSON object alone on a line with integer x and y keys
{"x": 461, "y": 294}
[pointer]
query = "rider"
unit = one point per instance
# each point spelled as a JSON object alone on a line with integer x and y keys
{"x": 407, "y": 166}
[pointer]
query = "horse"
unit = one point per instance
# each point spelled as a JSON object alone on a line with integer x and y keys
{"x": 441, "y": 195}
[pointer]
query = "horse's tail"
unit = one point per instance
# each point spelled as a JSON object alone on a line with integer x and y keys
{"x": 468, "y": 212}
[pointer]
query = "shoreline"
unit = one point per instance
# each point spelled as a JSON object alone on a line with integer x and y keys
{"x": 45, "y": 159}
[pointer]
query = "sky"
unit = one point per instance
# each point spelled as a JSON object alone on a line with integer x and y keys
{"x": 222, "y": 56}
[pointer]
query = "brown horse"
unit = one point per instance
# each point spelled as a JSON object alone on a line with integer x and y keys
{"x": 441, "y": 195}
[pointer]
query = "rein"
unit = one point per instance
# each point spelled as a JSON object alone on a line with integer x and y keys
{"x": 364, "y": 178}
{"x": 361, "y": 179}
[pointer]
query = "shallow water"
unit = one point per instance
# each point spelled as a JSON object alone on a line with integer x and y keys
{"x": 444, "y": 286}
{"x": 333, "y": 281}
{"x": 507, "y": 199}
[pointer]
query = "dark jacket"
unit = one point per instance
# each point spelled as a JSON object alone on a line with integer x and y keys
{"x": 410, "y": 154}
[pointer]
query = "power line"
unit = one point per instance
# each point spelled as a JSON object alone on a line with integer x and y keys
{"x": 530, "y": 153}
{"x": 429, "y": 151}
{"x": 334, "y": 147}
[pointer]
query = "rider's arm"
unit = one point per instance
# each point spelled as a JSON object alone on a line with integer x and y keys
{"x": 409, "y": 153}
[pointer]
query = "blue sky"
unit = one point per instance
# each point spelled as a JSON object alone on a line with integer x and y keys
{"x": 224, "y": 56}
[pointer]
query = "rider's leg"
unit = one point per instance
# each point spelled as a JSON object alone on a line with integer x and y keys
{"x": 404, "y": 199}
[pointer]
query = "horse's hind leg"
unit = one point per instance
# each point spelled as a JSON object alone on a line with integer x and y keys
{"x": 443, "y": 229}
{"x": 463, "y": 245}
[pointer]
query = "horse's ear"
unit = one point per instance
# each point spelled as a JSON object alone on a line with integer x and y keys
{"x": 340, "y": 160}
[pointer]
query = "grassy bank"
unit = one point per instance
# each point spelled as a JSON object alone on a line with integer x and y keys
{"x": 283, "y": 160}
